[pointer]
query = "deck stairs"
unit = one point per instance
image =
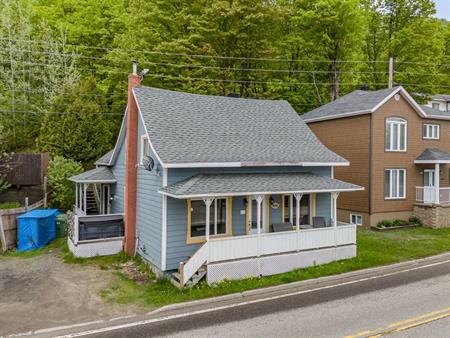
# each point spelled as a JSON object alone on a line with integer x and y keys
{"x": 197, "y": 277}
{"x": 91, "y": 202}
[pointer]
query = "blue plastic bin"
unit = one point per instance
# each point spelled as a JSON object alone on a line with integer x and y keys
{"x": 36, "y": 228}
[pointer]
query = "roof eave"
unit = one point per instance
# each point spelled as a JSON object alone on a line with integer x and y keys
{"x": 237, "y": 194}
{"x": 254, "y": 164}
{"x": 431, "y": 161}
{"x": 339, "y": 116}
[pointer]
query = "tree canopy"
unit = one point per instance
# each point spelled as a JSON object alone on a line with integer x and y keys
{"x": 64, "y": 63}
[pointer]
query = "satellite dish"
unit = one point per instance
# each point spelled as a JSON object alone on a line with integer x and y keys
{"x": 148, "y": 163}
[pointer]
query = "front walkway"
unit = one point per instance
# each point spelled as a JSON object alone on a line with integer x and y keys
{"x": 42, "y": 292}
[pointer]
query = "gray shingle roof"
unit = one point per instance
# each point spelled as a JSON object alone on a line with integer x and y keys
{"x": 243, "y": 184}
{"x": 105, "y": 159}
{"x": 192, "y": 128}
{"x": 441, "y": 97}
{"x": 434, "y": 112}
{"x": 433, "y": 154}
{"x": 357, "y": 101}
{"x": 100, "y": 174}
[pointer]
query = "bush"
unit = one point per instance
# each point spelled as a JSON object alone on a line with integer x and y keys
{"x": 399, "y": 222}
{"x": 63, "y": 192}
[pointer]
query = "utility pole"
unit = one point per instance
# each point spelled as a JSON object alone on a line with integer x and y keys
{"x": 391, "y": 71}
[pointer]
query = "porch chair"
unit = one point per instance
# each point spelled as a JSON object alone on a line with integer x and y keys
{"x": 279, "y": 227}
{"x": 319, "y": 222}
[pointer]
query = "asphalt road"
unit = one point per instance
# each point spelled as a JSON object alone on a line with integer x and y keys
{"x": 355, "y": 310}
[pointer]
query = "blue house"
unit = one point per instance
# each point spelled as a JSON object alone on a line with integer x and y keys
{"x": 218, "y": 186}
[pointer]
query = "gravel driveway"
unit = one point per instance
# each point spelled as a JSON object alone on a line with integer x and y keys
{"x": 43, "y": 291}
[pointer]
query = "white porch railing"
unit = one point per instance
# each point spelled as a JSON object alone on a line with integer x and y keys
{"x": 240, "y": 247}
{"x": 428, "y": 195}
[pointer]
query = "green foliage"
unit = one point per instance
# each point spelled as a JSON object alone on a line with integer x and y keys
{"x": 399, "y": 222}
{"x": 82, "y": 133}
{"x": 63, "y": 193}
{"x": 9, "y": 205}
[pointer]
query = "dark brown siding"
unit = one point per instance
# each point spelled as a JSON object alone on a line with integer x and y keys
{"x": 349, "y": 137}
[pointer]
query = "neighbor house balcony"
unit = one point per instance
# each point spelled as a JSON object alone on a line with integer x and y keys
{"x": 433, "y": 195}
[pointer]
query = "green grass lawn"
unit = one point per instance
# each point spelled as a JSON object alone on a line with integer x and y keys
{"x": 374, "y": 249}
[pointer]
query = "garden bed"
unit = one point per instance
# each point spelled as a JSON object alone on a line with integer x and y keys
{"x": 384, "y": 228}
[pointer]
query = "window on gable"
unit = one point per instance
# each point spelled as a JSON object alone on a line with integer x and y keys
{"x": 145, "y": 148}
{"x": 394, "y": 183}
{"x": 431, "y": 131}
{"x": 396, "y": 134}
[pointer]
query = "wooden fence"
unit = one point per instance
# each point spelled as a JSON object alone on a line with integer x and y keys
{"x": 8, "y": 225}
{"x": 28, "y": 169}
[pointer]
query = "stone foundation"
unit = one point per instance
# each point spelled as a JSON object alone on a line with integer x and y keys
{"x": 432, "y": 215}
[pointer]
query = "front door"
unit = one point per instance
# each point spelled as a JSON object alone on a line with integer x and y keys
{"x": 252, "y": 216}
{"x": 428, "y": 186}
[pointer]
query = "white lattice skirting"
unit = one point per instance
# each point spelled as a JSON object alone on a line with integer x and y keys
{"x": 93, "y": 248}
{"x": 274, "y": 264}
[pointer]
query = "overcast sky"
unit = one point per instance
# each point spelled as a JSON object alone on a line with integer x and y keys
{"x": 443, "y": 9}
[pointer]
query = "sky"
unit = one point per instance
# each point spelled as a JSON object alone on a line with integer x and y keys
{"x": 443, "y": 9}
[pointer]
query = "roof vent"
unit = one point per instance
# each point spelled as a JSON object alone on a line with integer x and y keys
{"x": 233, "y": 95}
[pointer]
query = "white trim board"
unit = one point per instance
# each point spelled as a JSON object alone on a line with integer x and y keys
{"x": 243, "y": 194}
{"x": 120, "y": 138}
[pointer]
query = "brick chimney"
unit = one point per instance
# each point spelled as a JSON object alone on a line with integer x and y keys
{"x": 130, "y": 165}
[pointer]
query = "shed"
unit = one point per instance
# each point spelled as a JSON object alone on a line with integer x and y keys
{"x": 36, "y": 228}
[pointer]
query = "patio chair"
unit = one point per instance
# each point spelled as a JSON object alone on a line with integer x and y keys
{"x": 319, "y": 222}
{"x": 280, "y": 227}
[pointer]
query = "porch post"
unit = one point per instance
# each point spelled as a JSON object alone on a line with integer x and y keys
{"x": 208, "y": 201}
{"x": 298, "y": 198}
{"x": 259, "y": 200}
{"x": 436, "y": 183}
{"x": 76, "y": 195}
{"x": 85, "y": 199}
{"x": 334, "y": 197}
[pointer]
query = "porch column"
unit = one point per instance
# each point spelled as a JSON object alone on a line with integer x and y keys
{"x": 436, "y": 183}
{"x": 298, "y": 198}
{"x": 208, "y": 201}
{"x": 334, "y": 197}
{"x": 259, "y": 200}
{"x": 85, "y": 199}
{"x": 76, "y": 195}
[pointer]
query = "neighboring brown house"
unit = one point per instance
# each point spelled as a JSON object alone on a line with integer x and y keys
{"x": 399, "y": 151}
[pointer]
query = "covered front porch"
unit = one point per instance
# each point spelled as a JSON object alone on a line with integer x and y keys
{"x": 289, "y": 222}
{"x": 94, "y": 231}
{"x": 431, "y": 162}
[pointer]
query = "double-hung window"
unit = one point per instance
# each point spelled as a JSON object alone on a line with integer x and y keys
{"x": 145, "y": 149}
{"x": 396, "y": 134}
{"x": 218, "y": 219}
{"x": 431, "y": 131}
{"x": 394, "y": 183}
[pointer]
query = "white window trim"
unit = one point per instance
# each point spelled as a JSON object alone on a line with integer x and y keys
{"x": 390, "y": 123}
{"x": 356, "y": 216}
{"x": 141, "y": 156}
{"x": 431, "y": 127}
{"x": 213, "y": 218}
{"x": 391, "y": 188}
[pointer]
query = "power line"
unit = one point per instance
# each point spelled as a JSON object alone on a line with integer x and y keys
{"x": 52, "y": 113}
{"x": 191, "y": 55}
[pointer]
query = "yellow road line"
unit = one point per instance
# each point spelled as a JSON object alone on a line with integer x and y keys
{"x": 404, "y": 324}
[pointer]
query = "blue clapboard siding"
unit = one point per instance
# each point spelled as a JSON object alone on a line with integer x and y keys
{"x": 238, "y": 219}
{"x": 118, "y": 189}
{"x": 323, "y": 206}
{"x": 275, "y": 214}
{"x": 149, "y": 208}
